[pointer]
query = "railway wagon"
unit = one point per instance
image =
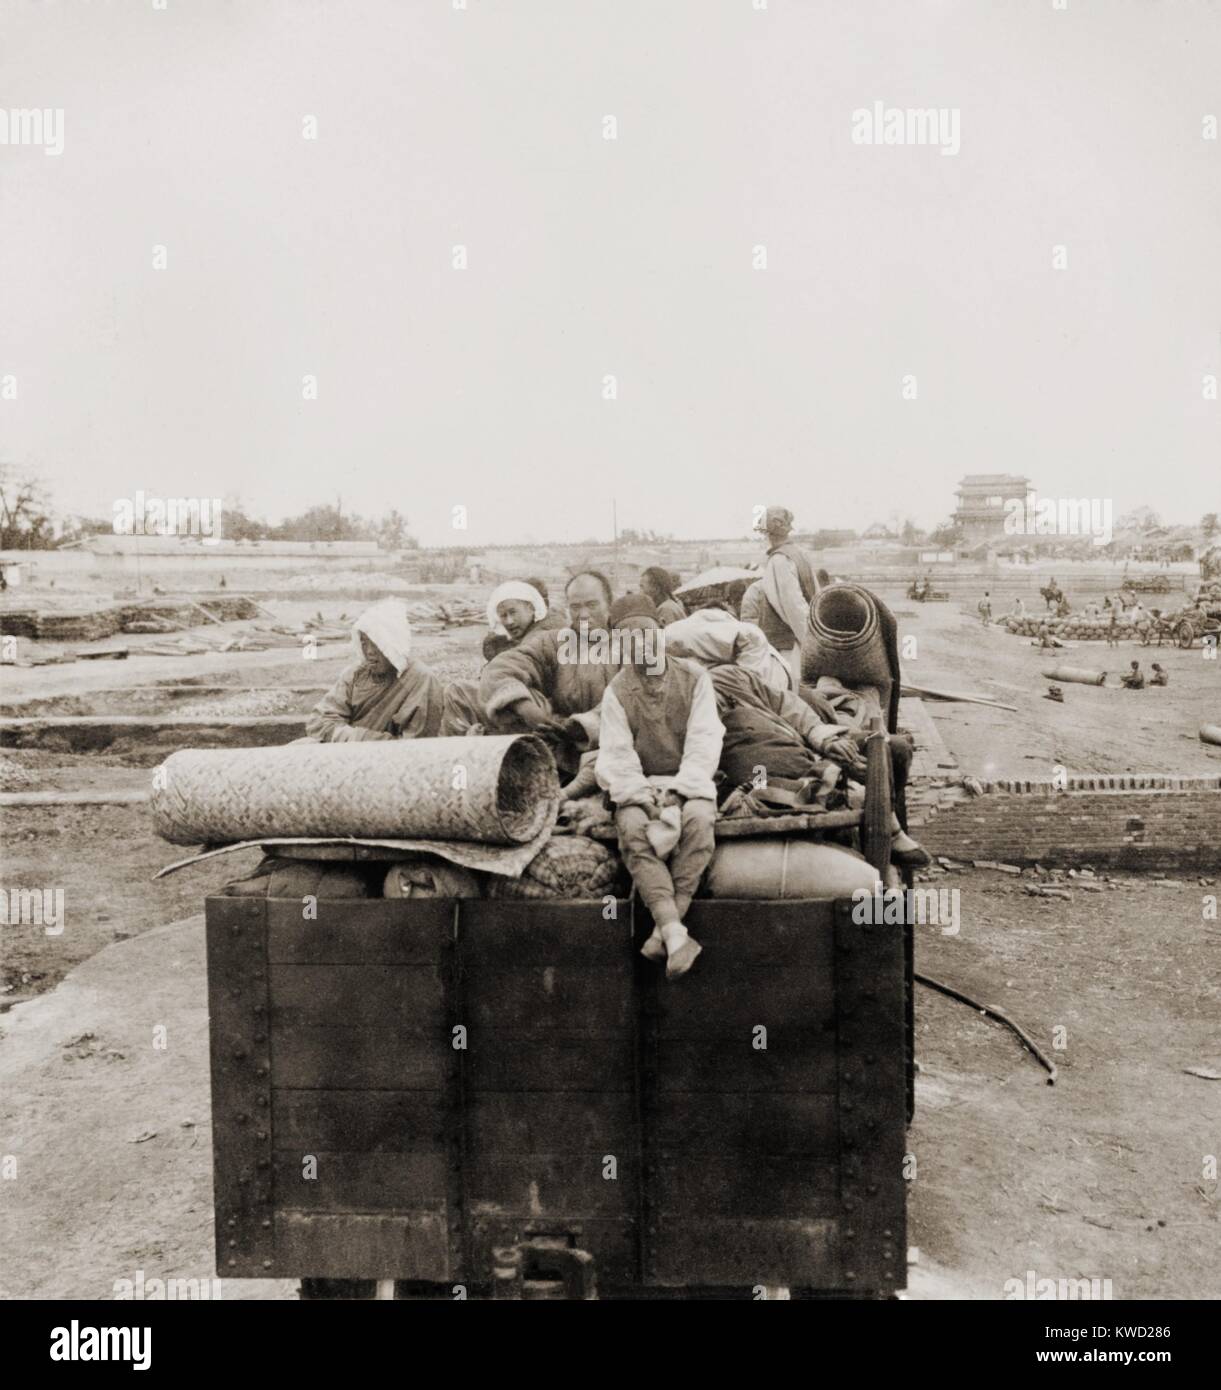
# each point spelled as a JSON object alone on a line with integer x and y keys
{"x": 495, "y": 1098}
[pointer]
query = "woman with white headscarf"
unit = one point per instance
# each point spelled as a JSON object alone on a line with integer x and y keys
{"x": 385, "y": 694}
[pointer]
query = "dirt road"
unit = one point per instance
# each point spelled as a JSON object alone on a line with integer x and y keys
{"x": 1096, "y": 729}
{"x": 1100, "y": 1176}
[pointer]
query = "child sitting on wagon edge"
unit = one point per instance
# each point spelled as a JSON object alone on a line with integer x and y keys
{"x": 659, "y": 747}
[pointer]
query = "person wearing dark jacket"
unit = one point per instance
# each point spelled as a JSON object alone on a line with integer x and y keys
{"x": 658, "y": 585}
{"x": 794, "y": 740}
{"x": 526, "y": 610}
{"x": 550, "y": 684}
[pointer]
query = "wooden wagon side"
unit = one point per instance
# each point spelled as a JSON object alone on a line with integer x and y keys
{"x": 403, "y": 1089}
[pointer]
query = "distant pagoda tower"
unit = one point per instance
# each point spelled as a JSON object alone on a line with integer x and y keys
{"x": 980, "y": 515}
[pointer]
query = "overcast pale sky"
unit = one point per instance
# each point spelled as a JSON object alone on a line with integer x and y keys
{"x": 737, "y": 386}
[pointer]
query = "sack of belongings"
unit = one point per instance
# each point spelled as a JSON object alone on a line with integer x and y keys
{"x": 783, "y": 866}
{"x": 567, "y": 866}
{"x": 430, "y": 878}
{"x": 300, "y": 878}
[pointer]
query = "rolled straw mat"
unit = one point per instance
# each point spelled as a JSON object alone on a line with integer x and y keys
{"x": 496, "y": 790}
{"x": 844, "y": 637}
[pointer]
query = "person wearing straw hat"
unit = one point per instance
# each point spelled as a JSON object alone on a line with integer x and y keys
{"x": 789, "y": 584}
{"x": 384, "y": 694}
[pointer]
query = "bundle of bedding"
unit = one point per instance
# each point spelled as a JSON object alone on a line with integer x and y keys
{"x": 567, "y": 866}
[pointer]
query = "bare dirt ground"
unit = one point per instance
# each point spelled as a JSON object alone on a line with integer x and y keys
{"x": 1096, "y": 729}
{"x": 1100, "y": 1176}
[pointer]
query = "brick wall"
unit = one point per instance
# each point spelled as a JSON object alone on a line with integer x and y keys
{"x": 1175, "y": 824}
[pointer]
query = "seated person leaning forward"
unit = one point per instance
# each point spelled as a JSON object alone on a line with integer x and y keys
{"x": 660, "y": 743}
{"x": 517, "y": 608}
{"x": 551, "y": 684}
{"x": 714, "y": 637}
{"x": 383, "y": 695}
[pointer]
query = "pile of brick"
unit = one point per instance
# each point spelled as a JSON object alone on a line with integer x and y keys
{"x": 60, "y": 626}
{"x": 185, "y": 613}
{"x": 146, "y": 615}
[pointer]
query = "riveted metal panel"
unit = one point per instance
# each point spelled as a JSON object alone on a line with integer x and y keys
{"x": 457, "y": 1027}
{"x": 241, "y": 1085}
{"x": 870, "y": 980}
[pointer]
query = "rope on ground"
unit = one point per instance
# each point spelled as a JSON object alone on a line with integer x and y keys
{"x": 997, "y": 1014}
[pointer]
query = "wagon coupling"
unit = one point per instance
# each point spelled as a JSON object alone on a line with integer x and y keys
{"x": 543, "y": 1267}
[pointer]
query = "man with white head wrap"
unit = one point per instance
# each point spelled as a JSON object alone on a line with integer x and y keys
{"x": 517, "y": 608}
{"x": 385, "y": 694}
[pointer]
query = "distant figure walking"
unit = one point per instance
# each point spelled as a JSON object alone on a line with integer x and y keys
{"x": 984, "y": 608}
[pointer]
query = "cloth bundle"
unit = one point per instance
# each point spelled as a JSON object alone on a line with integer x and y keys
{"x": 494, "y": 790}
{"x": 583, "y": 815}
{"x": 567, "y": 866}
{"x": 430, "y": 878}
{"x": 299, "y": 878}
{"x": 784, "y": 867}
{"x": 664, "y": 831}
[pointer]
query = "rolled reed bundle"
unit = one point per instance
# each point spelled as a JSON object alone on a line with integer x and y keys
{"x": 844, "y": 638}
{"x": 1075, "y": 675}
{"x": 497, "y": 790}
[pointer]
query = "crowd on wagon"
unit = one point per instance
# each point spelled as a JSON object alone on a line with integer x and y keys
{"x": 695, "y": 707}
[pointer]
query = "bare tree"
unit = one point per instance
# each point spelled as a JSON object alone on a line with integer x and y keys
{"x": 25, "y": 518}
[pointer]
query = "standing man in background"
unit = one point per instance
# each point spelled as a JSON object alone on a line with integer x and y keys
{"x": 788, "y": 586}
